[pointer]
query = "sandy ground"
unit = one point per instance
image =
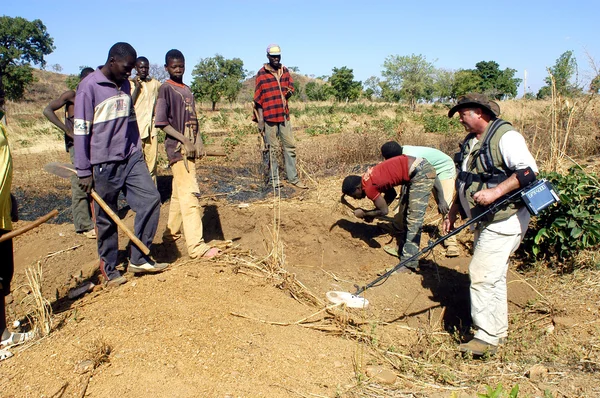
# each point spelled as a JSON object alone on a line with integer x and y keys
{"x": 229, "y": 327}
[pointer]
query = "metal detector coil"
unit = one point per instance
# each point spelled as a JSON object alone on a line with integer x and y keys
{"x": 351, "y": 300}
{"x": 538, "y": 196}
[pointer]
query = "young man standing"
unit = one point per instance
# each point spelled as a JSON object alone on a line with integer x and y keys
{"x": 494, "y": 161}
{"x": 274, "y": 86}
{"x": 176, "y": 115}
{"x": 108, "y": 158}
{"x": 145, "y": 91}
{"x": 80, "y": 200}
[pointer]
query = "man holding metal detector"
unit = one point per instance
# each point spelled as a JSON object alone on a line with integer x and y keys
{"x": 493, "y": 161}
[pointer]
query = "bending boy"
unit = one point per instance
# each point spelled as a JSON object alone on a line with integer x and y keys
{"x": 443, "y": 188}
{"x": 381, "y": 179}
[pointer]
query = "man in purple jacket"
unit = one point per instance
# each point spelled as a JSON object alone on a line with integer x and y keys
{"x": 108, "y": 158}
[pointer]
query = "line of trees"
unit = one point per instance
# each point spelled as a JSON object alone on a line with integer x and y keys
{"x": 409, "y": 78}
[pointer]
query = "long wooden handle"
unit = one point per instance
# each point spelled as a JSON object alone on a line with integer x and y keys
{"x": 209, "y": 151}
{"x": 26, "y": 228}
{"x": 120, "y": 223}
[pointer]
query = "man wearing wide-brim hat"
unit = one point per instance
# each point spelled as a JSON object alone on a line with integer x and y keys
{"x": 494, "y": 160}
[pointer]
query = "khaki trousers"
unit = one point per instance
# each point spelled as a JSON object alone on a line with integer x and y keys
{"x": 184, "y": 209}
{"x": 448, "y": 191}
{"x": 150, "y": 149}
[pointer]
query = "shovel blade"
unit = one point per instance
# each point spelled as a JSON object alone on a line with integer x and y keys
{"x": 63, "y": 170}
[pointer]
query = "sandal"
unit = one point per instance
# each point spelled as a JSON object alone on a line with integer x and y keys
{"x": 452, "y": 251}
{"x": 212, "y": 252}
{"x": 16, "y": 339}
{"x": 5, "y": 354}
{"x": 392, "y": 251}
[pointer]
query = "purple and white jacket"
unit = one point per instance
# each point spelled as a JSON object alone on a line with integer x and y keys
{"x": 105, "y": 126}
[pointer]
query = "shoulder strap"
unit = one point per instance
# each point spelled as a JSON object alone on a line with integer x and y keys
{"x": 485, "y": 153}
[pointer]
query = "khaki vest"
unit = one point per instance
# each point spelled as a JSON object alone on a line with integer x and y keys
{"x": 479, "y": 176}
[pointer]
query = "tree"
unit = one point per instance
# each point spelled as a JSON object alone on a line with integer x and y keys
{"x": 497, "y": 83}
{"x": 343, "y": 86}
{"x": 595, "y": 85}
{"x": 563, "y": 72}
{"x": 217, "y": 77}
{"x": 465, "y": 81}
{"x": 372, "y": 87}
{"x": 73, "y": 80}
{"x": 317, "y": 91}
{"x": 411, "y": 76}
{"x": 442, "y": 84}
{"x": 158, "y": 72}
{"x": 57, "y": 68}
{"x": 21, "y": 42}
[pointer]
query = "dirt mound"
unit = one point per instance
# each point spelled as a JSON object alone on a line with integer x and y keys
{"x": 232, "y": 326}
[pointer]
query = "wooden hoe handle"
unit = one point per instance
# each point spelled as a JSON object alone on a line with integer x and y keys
{"x": 26, "y": 228}
{"x": 120, "y": 223}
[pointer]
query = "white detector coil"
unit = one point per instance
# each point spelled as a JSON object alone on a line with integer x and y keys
{"x": 349, "y": 299}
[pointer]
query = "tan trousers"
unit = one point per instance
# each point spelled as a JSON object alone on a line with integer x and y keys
{"x": 184, "y": 209}
{"x": 448, "y": 191}
{"x": 150, "y": 148}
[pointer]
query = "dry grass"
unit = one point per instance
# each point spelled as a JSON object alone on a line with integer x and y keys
{"x": 37, "y": 308}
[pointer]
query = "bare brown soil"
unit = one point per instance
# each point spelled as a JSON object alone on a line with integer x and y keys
{"x": 216, "y": 328}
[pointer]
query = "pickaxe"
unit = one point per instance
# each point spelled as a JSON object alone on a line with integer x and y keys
{"x": 66, "y": 170}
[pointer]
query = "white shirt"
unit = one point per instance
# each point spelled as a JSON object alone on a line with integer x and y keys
{"x": 516, "y": 156}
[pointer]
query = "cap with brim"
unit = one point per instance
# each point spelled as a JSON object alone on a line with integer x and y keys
{"x": 475, "y": 100}
{"x": 274, "y": 49}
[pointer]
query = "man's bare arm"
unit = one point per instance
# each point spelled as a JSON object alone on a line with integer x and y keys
{"x": 381, "y": 209}
{"x": 136, "y": 90}
{"x": 54, "y": 105}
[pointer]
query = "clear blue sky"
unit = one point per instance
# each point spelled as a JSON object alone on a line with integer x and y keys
{"x": 316, "y": 36}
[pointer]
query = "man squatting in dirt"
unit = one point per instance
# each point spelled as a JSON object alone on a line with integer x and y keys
{"x": 8, "y": 213}
{"x": 443, "y": 187}
{"x": 145, "y": 91}
{"x": 176, "y": 115}
{"x": 80, "y": 200}
{"x": 108, "y": 157}
{"x": 380, "y": 179}
{"x": 274, "y": 86}
{"x": 485, "y": 176}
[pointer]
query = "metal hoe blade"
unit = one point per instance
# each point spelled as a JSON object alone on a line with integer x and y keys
{"x": 62, "y": 170}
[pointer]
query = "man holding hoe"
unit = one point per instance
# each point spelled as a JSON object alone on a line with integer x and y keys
{"x": 108, "y": 158}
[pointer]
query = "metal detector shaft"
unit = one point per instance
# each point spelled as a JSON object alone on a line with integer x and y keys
{"x": 494, "y": 208}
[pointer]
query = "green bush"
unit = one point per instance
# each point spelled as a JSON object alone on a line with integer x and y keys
{"x": 500, "y": 392}
{"x": 562, "y": 231}
{"x": 434, "y": 123}
{"x": 389, "y": 126}
{"x": 333, "y": 125}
